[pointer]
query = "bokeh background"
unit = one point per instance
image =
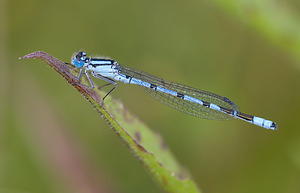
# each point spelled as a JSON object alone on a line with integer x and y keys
{"x": 52, "y": 140}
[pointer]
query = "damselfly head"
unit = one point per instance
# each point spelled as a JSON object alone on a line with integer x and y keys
{"x": 79, "y": 59}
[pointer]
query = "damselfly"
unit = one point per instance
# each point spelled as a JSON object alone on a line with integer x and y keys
{"x": 189, "y": 100}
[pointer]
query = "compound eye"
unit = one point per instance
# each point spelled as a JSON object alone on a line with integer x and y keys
{"x": 78, "y": 63}
{"x": 79, "y": 59}
{"x": 81, "y": 55}
{"x": 78, "y": 55}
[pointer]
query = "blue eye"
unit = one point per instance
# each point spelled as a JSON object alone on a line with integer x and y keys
{"x": 78, "y": 63}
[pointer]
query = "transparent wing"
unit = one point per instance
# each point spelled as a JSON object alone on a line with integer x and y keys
{"x": 180, "y": 104}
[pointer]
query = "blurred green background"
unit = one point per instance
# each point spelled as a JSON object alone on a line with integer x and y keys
{"x": 51, "y": 139}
